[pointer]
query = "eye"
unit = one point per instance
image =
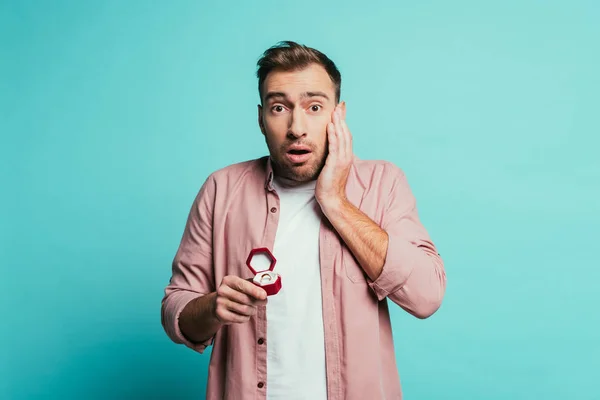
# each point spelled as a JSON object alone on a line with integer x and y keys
{"x": 315, "y": 107}
{"x": 277, "y": 108}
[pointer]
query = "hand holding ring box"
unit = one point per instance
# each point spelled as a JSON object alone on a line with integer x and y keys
{"x": 261, "y": 262}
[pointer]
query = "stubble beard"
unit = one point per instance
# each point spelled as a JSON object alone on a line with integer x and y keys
{"x": 299, "y": 173}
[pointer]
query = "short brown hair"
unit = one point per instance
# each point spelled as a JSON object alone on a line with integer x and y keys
{"x": 291, "y": 56}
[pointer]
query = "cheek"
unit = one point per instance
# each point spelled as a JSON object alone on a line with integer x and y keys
{"x": 320, "y": 136}
{"x": 276, "y": 131}
{"x": 273, "y": 143}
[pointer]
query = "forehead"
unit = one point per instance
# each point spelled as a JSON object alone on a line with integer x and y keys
{"x": 313, "y": 78}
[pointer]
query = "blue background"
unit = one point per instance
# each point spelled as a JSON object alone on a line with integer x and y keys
{"x": 113, "y": 113}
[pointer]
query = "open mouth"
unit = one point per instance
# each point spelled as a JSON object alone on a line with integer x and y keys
{"x": 298, "y": 156}
{"x": 299, "y": 152}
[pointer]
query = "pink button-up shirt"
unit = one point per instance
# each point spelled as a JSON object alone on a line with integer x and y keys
{"x": 237, "y": 210}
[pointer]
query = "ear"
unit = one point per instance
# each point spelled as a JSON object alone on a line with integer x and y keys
{"x": 260, "y": 120}
{"x": 343, "y": 108}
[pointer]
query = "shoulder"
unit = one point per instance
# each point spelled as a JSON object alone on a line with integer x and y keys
{"x": 255, "y": 168}
{"x": 381, "y": 172}
{"x": 386, "y": 182}
{"x": 227, "y": 180}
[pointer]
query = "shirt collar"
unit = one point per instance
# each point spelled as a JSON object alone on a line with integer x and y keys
{"x": 269, "y": 175}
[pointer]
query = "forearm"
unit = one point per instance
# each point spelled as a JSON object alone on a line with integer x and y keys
{"x": 422, "y": 293}
{"x": 198, "y": 321}
{"x": 365, "y": 239}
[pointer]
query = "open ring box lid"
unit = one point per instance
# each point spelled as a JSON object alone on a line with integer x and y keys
{"x": 261, "y": 262}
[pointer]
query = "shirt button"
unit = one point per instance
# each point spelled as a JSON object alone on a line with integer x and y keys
{"x": 261, "y": 341}
{"x": 260, "y": 385}
{"x": 273, "y": 209}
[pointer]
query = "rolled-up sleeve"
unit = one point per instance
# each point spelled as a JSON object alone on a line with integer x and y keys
{"x": 413, "y": 274}
{"x": 192, "y": 268}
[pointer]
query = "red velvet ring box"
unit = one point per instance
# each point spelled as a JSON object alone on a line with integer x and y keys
{"x": 261, "y": 262}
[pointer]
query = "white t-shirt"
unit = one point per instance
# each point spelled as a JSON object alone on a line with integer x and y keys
{"x": 295, "y": 337}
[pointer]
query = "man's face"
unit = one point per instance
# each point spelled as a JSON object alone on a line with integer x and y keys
{"x": 297, "y": 107}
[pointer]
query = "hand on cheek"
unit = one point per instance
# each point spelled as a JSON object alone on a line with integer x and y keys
{"x": 331, "y": 184}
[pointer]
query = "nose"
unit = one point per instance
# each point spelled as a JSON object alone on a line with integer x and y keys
{"x": 297, "y": 126}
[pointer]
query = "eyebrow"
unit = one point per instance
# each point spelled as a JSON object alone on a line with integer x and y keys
{"x": 304, "y": 95}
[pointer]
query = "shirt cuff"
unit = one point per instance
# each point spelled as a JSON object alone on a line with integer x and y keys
{"x": 173, "y": 307}
{"x": 401, "y": 258}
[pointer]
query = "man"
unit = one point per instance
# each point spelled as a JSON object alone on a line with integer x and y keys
{"x": 346, "y": 238}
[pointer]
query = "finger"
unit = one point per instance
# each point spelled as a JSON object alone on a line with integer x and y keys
{"x": 234, "y": 295}
{"x": 333, "y": 142}
{"x": 254, "y": 301}
{"x": 247, "y": 300}
{"x": 224, "y": 303}
{"x": 230, "y": 317}
{"x": 244, "y": 286}
{"x": 251, "y": 290}
{"x": 348, "y": 135}
{"x": 340, "y": 134}
{"x": 259, "y": 303}
{"x": 240, "y": 309}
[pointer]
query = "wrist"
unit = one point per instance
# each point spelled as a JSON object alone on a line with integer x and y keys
{"x": 212, "y": 304}
{"x": 332, "y": 204}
